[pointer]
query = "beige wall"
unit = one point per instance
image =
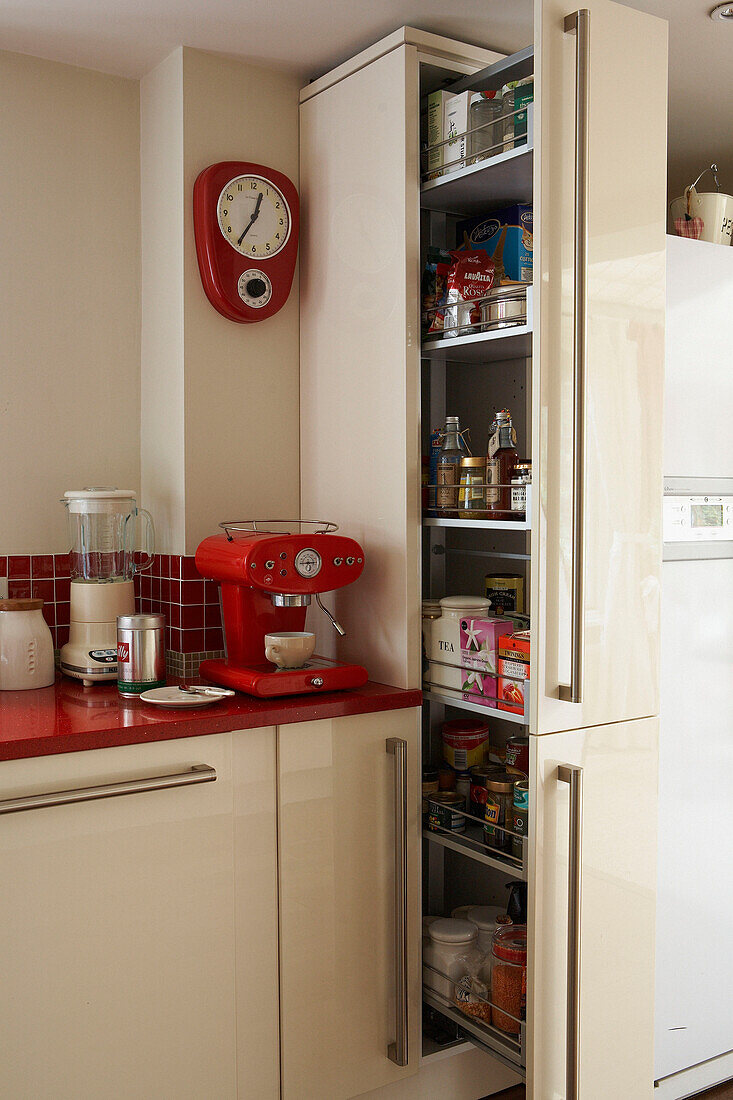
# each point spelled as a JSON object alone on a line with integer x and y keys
{"x": 241, "y": 381}
{"x": 219, "y": 399}
{"x": 69, "y": 293}
{"x": 162, "y": 382}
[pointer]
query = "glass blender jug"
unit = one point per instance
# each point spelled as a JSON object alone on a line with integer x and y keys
{"x": 103, "y": 526}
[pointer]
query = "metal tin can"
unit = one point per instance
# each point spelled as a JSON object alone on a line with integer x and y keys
{"x": 504, "y": 306}
{"x": 442, "y": 812}
{"x": 520, "y": 815}
{"x": 140, "y": 653}
{"x": 505, "y": 592}
{"x": 517, "y": 755}
{"x": 429, "y": 787}
{"x": 499, "y": 809}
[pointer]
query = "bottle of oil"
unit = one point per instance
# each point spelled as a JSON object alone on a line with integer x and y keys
{"x": 449, "y": 468}
{"x": 502, "y": 456}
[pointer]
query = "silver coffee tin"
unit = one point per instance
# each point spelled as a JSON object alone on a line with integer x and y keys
{"x": 504, "y": 307}
{"x": 140, "y": 653}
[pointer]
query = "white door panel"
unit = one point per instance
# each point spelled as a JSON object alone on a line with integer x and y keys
{"x": 625, "y": 315}
{"x": 695, "y": 887}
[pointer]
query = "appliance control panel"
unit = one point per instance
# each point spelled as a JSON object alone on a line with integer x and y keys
{"x": 699, "y": 518}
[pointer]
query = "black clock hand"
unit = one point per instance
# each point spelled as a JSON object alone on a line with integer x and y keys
{"x": 253, "y": 219}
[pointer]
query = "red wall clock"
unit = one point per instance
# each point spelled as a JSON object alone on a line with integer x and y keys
{"x": 246, "y": 221}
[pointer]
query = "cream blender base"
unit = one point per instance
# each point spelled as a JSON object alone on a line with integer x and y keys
{"x": 91, "y": 651}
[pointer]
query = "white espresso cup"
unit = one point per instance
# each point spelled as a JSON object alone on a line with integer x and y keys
{"x": 291, "y": 649}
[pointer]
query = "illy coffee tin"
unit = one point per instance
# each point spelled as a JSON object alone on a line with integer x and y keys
{"x": 140, "y": 653}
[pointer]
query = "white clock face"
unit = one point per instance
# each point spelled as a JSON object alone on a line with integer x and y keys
{"x": 253, "y": 216}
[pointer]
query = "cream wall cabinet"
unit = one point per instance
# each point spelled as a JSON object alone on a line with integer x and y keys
{"x": 360, "y": 413}
{"x": 120, "y": 918}
{"x": 339, "y": 969}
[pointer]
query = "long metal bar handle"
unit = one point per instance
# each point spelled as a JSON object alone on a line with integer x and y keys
{"x": 569, "y": 773}
{"x": 201, "y": 773}
{"x": 579, "y": 24}
{"x": 397, "y": 1051}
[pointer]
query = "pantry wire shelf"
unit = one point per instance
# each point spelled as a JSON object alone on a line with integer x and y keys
{"x": 472, "y": 842}
{"x": 505, "y": 144}
{"x": 478, "y": 704}
{"x": 451, "y": 327}
{"x": 472, "y": 186}
{"x": 501, "y": 1045}
{"x": 485, "y": 1002}
{"x": 453, "y": 516}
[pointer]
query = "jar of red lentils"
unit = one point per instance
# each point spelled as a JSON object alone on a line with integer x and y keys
{"x": 509, "y": 977}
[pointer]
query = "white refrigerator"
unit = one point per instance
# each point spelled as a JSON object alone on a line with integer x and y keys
{"x": 694, "y": 959}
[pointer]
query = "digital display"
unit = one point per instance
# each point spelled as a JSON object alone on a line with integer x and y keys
{"x": 707, "y": 515}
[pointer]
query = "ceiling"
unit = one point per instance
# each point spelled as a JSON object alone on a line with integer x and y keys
{"x": 308, "y": 37}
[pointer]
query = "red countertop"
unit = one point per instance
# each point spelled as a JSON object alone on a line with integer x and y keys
{"x": 69, "y": 717}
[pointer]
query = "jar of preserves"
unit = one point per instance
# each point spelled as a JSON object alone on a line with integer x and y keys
{"x": 471, "y": 502}
{"x": 498, "y": 813}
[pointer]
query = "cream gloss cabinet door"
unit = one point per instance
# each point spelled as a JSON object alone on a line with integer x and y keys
{"x": 623, "y": 69}
{"x": 340, "y": 972}
{"x": 119, "y": 920}
{"x": 615, "y": 986}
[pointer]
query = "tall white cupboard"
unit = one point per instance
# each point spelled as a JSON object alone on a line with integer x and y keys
{"x": 583, "y": 377}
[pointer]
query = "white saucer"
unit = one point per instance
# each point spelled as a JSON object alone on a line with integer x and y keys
{"x": 174, "y": 697}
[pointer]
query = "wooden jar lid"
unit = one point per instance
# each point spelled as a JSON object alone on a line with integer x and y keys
{"x": 21, "y": 605}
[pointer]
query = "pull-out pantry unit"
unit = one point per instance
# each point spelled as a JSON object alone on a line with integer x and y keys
{"x": 581, "y": 373}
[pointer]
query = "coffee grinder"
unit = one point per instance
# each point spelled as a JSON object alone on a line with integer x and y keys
{"x": 267, "y": 581}
{"x": 102, "y": 533}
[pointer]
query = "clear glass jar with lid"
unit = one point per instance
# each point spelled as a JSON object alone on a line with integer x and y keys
{"x": 451, "y": 949}
{"x": 509, "y": 977}
{"x": 471, "y": 496}
{"x": 484, "y": 111}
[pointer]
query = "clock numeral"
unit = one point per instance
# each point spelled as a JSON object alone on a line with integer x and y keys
{"x": 239, "y": 187}
{"x": 277, "y": 236}
{"x": 230, "y": 198}
{"x": 281, "y": 221}
{"x": 224, "y": 212}
{"x": 267, "y": 247}
{"x": 277, "y": 205}
{"x": 229, "y": 229}
{"x": 254, "y": 247}
{"x": 253, "y": 186}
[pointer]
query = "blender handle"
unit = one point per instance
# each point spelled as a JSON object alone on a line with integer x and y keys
{"x": 149, "y": 540}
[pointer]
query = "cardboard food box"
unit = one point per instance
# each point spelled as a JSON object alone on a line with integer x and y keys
{"x": 447, "y": 115}
{"x": 513, "y": 671}
{"x": 479, "y": 643}
{"x": 436, "y": 110}
{"x": 507, "y": 236}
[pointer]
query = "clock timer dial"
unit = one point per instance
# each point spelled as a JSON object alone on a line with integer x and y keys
{"x": 254, "y": 217}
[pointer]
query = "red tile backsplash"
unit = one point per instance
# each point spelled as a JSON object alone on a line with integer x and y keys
{"x": 43, "y": 590}
{"x": 42, "y": 566}
{"x": 172, "y": 587}
{"x": 19, "y": 568}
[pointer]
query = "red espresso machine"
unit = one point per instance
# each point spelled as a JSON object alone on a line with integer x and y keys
{"x": 267, "y": 581}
